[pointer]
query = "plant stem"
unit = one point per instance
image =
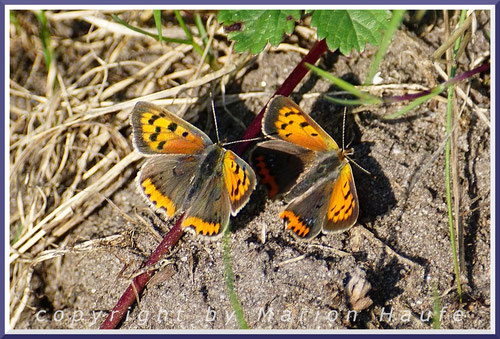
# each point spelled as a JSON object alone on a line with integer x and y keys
{"x": 139, "y": 282}
{"x": 448, "y": 192}
{"x": 230, "y": 282}
{"x": 154, "y": 36}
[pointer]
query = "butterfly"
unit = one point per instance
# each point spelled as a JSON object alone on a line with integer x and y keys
{"x": 305, "y": 165}
{"x": 186, "y": 172}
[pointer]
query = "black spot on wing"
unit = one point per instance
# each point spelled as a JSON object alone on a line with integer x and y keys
{"x": 153, "y": 118}
{"x": 172, "y": 126}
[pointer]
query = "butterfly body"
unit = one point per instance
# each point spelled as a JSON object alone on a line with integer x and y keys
{"x": 318, "y": 184}
{"x": 325, "y": 167}
{"x": 187, "y": 173}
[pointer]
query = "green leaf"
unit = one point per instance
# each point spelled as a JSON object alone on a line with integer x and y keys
{"x": 350, "y": 29}
{"x": 258, "y": 27}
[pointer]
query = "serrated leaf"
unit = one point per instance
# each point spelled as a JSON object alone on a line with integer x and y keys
{"x": 350, "y": 29}
{"x": 258, "y": 27}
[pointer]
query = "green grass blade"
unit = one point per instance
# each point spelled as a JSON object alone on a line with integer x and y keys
{"x": 415, "y": 103}
{"x": 183, "y": 25}
{"x": 436, "y": 309}
{"x": 201, "y": 29}
{"x": 45, "y": 37}
{"x": 449, "y": 201}
{"x": 365, "y": 97}
{"x": 397, "y": 17}
{"x": 18, "y": 233}
{"x": 212, "y": 61}
{"x": 154, "y": 36}
{"x": 345, "y": 102}
{"x": 13, "y": 19}
{"x": 230, "y": 281}
{"x": 187, "y": 31}
{"x": 157, "y": 17}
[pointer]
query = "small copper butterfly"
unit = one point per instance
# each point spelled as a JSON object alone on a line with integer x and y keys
{"x": 187, "y": 172}
{"x": 305, "y": 165}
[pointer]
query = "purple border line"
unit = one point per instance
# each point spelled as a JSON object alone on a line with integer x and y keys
{"x": 4, "y": 178}
{"x": 194, "y": 3}
{"x": 254, "y": 2}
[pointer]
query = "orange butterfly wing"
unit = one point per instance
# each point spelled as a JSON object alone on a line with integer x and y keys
{"x": 343, "y": 208}
{"x": 239, "y": 179}
{"x": 285, "y": 120}
{"x": 157, "y": 131}
{"x": 228, "y": 189}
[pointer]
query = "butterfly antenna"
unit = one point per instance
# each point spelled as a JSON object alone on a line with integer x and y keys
{"x": 343, "y": 128}
{"x": 215, "y": 118}
{"x": 245, "y": 140}
{"x": 358, "y": 165}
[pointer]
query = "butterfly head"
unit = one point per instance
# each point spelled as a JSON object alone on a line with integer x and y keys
{"x": 345, "y": 153}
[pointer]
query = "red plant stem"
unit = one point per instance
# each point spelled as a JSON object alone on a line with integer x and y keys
{"x": 139, "y": 282}
{"x": 397, "y": 98}
{"x": 484, "y": 67}
{"x": 171, "y": 238}
{"x": 286, "y": 89}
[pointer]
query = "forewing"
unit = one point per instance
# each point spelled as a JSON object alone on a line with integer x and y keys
{"x": 285, "y": 120}
{"x": 158, "y": 131}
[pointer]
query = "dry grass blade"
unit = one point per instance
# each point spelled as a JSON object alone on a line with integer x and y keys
{"x": 68, "y": 208}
